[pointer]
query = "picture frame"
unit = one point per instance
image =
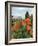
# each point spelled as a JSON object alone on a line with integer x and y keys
{"x": 18, "y": 13}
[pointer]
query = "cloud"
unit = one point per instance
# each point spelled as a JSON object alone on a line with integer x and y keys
{"x": 20, "y": 11}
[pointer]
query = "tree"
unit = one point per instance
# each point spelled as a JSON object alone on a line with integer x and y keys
{"x": 31, "y": 18}
{"x": 27, "y": 15}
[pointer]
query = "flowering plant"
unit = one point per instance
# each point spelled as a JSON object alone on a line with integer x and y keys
{"x": 22, "y": 28}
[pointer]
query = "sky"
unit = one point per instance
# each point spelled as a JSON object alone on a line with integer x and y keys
{"x": 21, "y": 11}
